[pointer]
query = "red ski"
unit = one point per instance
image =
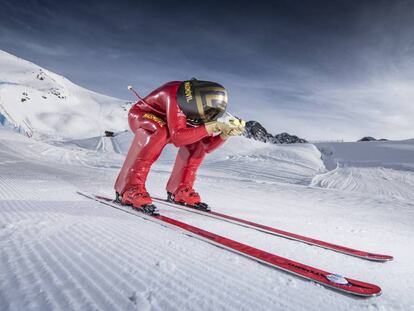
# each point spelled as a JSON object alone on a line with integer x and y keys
{"x": 330, "y": 280}
{"x": 281, "y": 233}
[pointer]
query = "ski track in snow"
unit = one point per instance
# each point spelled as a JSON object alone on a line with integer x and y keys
{"x": 107, "y": 265}
{"x": 376, "y": 181}
{"x": 62, "y": 252}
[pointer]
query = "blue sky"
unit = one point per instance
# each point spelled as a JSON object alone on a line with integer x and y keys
{"x": 317, "y": 69}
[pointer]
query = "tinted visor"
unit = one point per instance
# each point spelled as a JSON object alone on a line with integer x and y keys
{"x": 213, "y": 113}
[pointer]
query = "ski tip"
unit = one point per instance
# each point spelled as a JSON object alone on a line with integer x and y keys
{"x": 374, "y": 291}
{"x": 353, "y": 287}
{"x": 387, "y": 258}
{"x": 379, "y": 258}
{"x": 350, "y": 286}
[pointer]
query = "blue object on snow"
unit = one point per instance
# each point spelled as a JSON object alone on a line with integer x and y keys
{"x": 2, "y": 119}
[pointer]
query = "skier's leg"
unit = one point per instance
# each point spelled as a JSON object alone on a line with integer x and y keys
{"x": 150, "y": 138}
{"x": 183, "y": 176}
{"x": 188, "y": 160}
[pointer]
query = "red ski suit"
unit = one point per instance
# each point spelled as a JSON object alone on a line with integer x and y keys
{"x": 155, "y": 125}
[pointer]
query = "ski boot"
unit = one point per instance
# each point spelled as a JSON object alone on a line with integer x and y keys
{"x": 188, "y": 197}
{"x": 138, "y": 198}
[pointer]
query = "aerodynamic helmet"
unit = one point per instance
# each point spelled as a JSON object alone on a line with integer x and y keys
{"x": 201, "y": 101}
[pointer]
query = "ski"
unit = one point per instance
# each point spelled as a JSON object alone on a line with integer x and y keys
{"x": 281, "y": 233}
{"x": 329, "y": 280}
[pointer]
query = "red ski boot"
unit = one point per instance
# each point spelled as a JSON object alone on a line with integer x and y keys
{"x": 188, "y": 197}
{"x": 138, "y": 198}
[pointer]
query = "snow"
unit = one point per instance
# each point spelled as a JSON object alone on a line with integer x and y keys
{"x": 60, "y": 251}
{"x": 389, "y": 154}
{"x": 48, "y": 105}
{"x": 376, "y": 167}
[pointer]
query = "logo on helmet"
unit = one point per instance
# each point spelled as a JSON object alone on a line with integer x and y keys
{"x": 187, "y": 90}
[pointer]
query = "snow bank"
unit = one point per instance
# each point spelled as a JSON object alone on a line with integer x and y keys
{"x": 239, "y": 156}
{"x": 263, "y": 162}
{"x": 384, "y": 168}
{"x": 389, "y": 154}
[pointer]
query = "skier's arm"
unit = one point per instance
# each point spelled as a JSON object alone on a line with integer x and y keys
{"x": 212, "y": 143}
{"x": 177, "y": 123}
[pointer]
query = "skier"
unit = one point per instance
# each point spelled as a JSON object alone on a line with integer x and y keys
{"x": 184, "y": 113}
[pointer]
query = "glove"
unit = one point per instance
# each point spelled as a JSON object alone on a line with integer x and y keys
{"x": 233, "y": 132}
{"x": 241, "y": 124}
{"x": 219, "y": 127}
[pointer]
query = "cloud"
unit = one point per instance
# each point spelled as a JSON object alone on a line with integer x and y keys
{"x": 322, "y": 70}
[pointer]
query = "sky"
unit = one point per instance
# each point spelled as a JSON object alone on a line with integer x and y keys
{"x": 322, "y": 70}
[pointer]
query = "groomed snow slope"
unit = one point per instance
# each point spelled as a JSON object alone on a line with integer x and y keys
{"x": 45, "y": 104}
{"x": 383, "y": 168}
{"x": 62, "y": 252}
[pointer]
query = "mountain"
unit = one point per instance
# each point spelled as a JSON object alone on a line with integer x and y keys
{"x": 369, "y": 138}
{"x": 256, "y": 131}
{"x": 41, "y": 103}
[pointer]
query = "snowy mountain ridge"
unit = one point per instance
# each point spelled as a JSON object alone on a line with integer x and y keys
{"x": 44, "y": 104}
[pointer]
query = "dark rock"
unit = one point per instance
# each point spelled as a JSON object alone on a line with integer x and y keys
{"x": 40, "y": 75}
{"x": 56, "y": 92}
{"x": 255, "y": 130}
{"x": 367, "y": 138}
{"x": 286, "y": 138}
